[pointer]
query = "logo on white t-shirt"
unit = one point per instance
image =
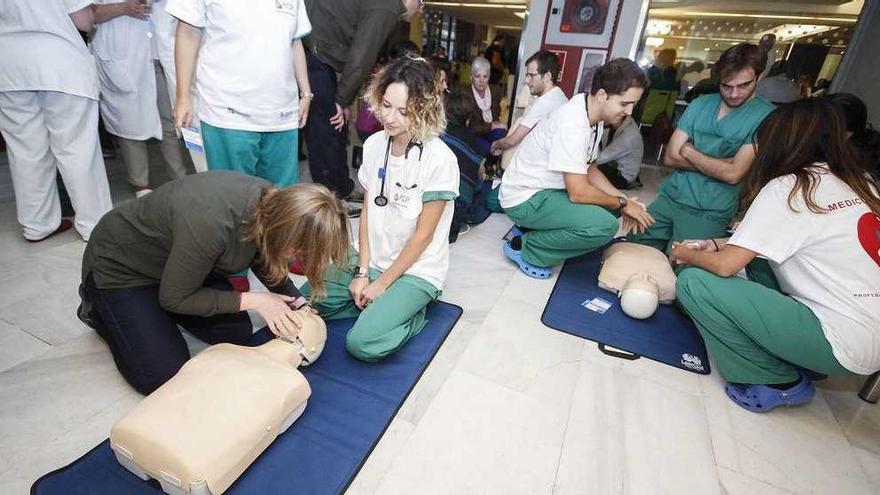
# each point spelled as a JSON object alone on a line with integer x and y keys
{"x": 869, "y": 235}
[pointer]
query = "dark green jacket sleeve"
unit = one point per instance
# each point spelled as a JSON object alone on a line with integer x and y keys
{"x": 372, "y": 32}
{"x": 191, "y": 259}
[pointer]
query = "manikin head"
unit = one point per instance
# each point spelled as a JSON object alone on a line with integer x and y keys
{"x": 617, "y": 87}
{"x": 640, "y": 296}
{"x": 542, "y": 72}
{"x": 738, "y": 70}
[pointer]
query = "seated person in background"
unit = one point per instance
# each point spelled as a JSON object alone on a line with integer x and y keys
{"x": 552, "y": 188}
{"x": 621, "y": 158}
{"x": 470, "y": 205}
{"x": 411, "y": 180}
{"x": 860, "y": 132}
{"x": 443, "y": 68}
{"x": 542, "y": 72}
{"x": 813, "y": 214}
{"x": 485, "y": 121}
{"x": 711, "y": 150}
{"x": 777, "y": 87}
{"x": 162, "y": 260}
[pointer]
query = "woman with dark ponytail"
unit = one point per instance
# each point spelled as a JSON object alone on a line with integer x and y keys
{"x": 812, "y": 212}
{"x": 861, "y": 133}
{"x": 162, "y": 260}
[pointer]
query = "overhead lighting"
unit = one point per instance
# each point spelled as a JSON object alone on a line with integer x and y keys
{"x": 521, "y": 15}
{"x": 658, "y": 28}
{"x": 509, "y": 28}
{"x": 789, "y": 32}
{"x": 654, "y": 41}
{"x": 846, "y": 20}
{"x": 510, "y": 6}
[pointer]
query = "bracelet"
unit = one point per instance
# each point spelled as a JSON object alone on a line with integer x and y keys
{"x": 307, "y": 95}
{"x": 361, "y": 275}
{"x": 716, "y": 245}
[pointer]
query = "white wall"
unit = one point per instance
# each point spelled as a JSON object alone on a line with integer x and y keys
{"x": 629, "y": 28}
{"x": 859, "y": 72}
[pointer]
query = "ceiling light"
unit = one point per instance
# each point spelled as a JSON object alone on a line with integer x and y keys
{"x": 653, "y": 41}
{"x": 845, "y": 20}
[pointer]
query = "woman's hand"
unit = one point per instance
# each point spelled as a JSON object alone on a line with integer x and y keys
{"x": 182, "y": 112}
{"x": 373, "y": 291}
{"x": 275, "y": 309}
{"x": 700, "y": 244}
{"x": 304, "y": 103}
{"x": 681, "y": 253}
{"x": 357, "y": 287}
{"x": 635, "y": 216}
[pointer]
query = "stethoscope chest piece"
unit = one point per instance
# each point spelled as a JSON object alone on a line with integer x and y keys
{"x": 381, "y": 200}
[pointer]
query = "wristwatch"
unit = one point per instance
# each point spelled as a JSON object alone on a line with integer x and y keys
{"x": 306, "y": 95}
{"x": 361, "y": 272}
{"x": 621, "y": 202}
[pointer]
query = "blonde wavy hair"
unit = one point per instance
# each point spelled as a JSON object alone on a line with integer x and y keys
{"x": 304, "y": 219}
{"x": 424, "y": 105}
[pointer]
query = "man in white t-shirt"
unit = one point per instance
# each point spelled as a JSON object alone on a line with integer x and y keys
{"x": 49, "y": 114}
{"x": 542, "y": 72}
{"x": 553, "y": 192}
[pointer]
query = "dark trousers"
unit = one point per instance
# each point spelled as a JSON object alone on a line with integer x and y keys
{"x": 326, "y": 145}
{"x": 146, "y": 343}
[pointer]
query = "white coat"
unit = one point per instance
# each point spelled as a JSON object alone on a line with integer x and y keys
{"x": 123, "y": 49}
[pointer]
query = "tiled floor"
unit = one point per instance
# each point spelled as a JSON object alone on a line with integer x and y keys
{"x": 508, "y": 406}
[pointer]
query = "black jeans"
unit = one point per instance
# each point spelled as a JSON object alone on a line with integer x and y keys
{"x": 326, "y": 145}
{"x": 147, "y": 346}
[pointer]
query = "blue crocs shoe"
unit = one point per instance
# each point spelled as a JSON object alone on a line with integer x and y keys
{"x": 763, "y": 398}
{"x": 526, "y": 267}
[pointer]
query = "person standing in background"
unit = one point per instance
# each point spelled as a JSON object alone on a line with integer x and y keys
{"x": 134, "y": 99}
{"x": 254, "y": 93}
{"x": 345, "y": 41}
{"x": 49, "y": 115}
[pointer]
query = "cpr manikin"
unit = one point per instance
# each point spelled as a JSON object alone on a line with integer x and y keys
{"x": 197, "y": 433}
{"x": 640, "y": 275}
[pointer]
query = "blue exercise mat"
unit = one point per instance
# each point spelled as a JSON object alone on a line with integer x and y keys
{"x": 668, "y": 336}
{"x": 352, "y": 404}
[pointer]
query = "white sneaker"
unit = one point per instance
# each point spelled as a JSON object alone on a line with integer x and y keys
{"x": 142, "y": 192}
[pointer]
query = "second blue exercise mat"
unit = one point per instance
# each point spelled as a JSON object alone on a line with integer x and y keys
{"x": 668, "y": 336}
{"x": 352, "y": 404}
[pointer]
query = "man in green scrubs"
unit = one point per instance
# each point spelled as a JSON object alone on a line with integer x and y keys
{"x": 712, "y": 150}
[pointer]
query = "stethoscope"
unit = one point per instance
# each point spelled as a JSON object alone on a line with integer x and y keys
{"x": 381, "y": 199}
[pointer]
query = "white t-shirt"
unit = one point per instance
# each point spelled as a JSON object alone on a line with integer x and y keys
{"x": 407, "y": 183}
{"x": 543, "y": 106}
{"x": 562, "y": 142}
{"x": 830, "y": 262}
{"x": 245, "y": 65}
{"x": 42, "y": 50}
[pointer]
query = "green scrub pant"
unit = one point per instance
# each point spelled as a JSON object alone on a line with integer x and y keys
{"x": 674, "y": 222}
{"x": 559, "y": 229}
{"x": 492, "y": 202}
{"x": 384, "y": 326}
{"x": 273, "y": 156}
{"x": 756, "y": 334}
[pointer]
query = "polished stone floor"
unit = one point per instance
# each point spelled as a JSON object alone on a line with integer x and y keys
{"x": 508, "y": 406}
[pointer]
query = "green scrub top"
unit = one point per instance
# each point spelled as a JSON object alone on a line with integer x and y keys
{"x": 719, "y": 139}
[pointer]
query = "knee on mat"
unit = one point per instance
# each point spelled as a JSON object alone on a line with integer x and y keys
{"x": 689, "y": 282}
{"x": 360, "y": 346}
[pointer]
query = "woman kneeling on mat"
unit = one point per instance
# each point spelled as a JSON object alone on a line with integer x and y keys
{"x": 162, "y": 260}
{"x": 411, "y": 181}
{"x": 813, "y": 214}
